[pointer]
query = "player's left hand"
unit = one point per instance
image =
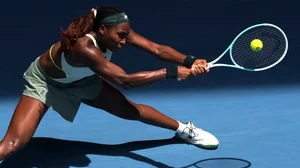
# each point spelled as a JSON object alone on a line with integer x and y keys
{"x": 200, "y": 67}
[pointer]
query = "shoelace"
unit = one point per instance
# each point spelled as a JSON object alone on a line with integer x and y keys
{"x": 190, "y": 130}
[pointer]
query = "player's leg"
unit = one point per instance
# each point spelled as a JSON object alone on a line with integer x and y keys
{"x": 23, "y": 124}
{"x": 113, "y": 101}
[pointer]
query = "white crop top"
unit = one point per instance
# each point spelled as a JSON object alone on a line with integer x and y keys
{"x": 77, "y": 73}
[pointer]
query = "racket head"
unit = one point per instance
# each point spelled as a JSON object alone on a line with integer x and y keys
{"x": 275, "y": 47}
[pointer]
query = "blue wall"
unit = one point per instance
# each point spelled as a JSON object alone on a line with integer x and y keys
{"x": 202, "y": 28}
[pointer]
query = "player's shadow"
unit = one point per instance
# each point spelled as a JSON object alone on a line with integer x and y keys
{"x": 56, "y": 153}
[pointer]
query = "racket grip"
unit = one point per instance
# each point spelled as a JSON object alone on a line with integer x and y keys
{"x": 208, "y": 66}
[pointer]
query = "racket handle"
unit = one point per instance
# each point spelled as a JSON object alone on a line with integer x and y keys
{"x": 208, "y": 66}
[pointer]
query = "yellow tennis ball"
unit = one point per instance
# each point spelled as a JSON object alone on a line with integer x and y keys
{"x": 256, "y": 45}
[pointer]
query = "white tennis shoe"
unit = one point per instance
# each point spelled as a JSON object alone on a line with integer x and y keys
{"x": 198, "y": 137}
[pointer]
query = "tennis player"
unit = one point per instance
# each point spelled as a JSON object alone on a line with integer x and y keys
{"x": 77, "y": 69}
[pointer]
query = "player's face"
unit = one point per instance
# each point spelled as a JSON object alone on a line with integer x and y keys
{"x": 115, "y": 36}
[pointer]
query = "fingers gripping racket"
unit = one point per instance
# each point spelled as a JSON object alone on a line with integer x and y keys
{"x": 256, "y": 48}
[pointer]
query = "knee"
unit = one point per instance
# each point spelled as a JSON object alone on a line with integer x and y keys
{"x": 2, "y": 149}
{"x": 8, "y": 148}
{"x": 140, "y": 111}
{"x": 132, "y": 111}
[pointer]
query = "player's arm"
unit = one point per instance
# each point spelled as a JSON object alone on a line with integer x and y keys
{"x": 162, "y": 52}
{"x": 167, "y": 53}
{"x": 95, "y": 60}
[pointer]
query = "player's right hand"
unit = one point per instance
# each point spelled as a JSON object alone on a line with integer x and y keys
{"x": 200, "y": 67}
{"x": 184, "y": 72}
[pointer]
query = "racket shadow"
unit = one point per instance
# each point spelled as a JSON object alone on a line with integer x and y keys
{"x": 222, "y": 162}
{"x": 48, "y": 152}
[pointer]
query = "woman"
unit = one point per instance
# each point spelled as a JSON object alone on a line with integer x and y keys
{"x": 77, "y": 69}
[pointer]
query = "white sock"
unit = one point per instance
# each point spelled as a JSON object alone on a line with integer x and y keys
{"x": 181, "y": 127}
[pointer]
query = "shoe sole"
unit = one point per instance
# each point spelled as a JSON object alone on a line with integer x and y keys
{"x": 206, "y": 147}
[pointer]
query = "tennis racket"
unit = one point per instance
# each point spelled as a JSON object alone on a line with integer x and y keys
{"x": 272, "y": 46}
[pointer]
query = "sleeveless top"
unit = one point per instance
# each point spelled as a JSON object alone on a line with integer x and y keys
{"x": 76, "y": 73}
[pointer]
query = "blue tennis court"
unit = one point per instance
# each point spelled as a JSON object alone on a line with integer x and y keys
{"x": 255, "y": 115}
{"x": 255, "y": 126}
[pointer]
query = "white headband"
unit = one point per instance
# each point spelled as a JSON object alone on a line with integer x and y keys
{"x": 95, "y": 12}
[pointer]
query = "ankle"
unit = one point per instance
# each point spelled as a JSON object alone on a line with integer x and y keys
{"x": 181, "y": 127}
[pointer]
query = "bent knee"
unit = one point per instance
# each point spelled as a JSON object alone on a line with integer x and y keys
{"x": 9, "y": 148}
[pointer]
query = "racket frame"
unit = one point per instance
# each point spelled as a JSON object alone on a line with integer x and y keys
{"x": 235, "y": 65}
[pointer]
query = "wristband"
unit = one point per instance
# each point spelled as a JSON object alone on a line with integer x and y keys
{"x": 189, "y": 61}
{"x": 172, "y": 71}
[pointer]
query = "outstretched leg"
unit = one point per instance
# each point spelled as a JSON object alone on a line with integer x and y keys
{"x": 23, "y": 124}
{"x": 113, "y": 101}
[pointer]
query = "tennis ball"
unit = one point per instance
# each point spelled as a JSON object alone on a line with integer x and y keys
{"x": 256, "y": 45}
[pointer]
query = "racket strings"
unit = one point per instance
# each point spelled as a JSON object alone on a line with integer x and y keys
{"x": 274, "y": 47}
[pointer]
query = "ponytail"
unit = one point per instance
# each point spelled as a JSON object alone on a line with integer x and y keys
{"x": 78, "y": 28}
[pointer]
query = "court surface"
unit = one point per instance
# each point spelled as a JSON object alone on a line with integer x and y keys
{"x": 257, "y": 127}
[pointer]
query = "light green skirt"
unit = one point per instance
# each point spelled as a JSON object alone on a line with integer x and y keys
{"x": 62, "y": 98}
